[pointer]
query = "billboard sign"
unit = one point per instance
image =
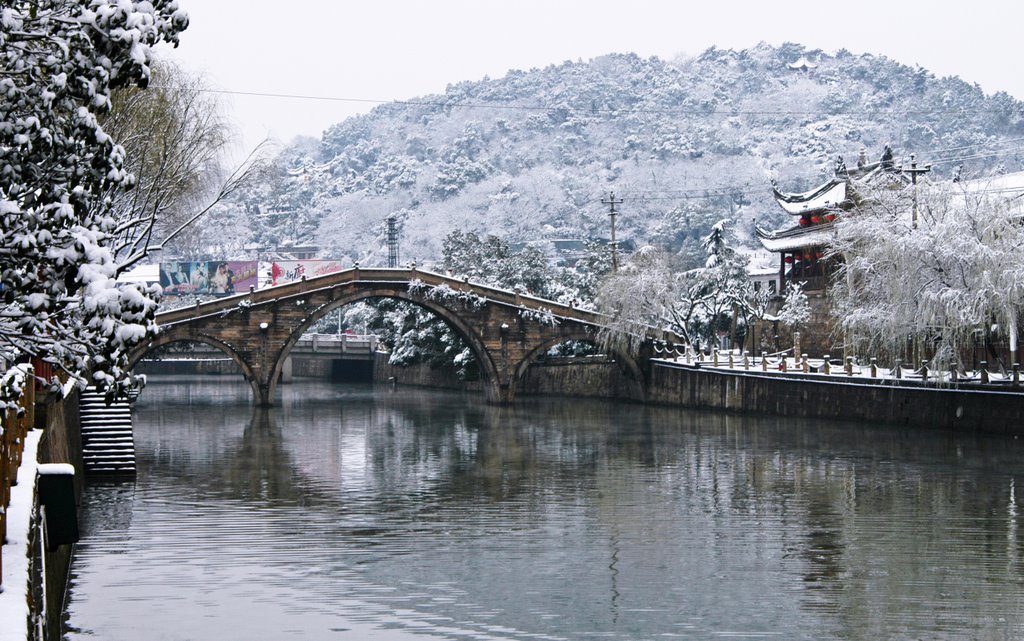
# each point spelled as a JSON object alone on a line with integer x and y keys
{"x": 208, "y": 277}
{"x": 287, "y": 271}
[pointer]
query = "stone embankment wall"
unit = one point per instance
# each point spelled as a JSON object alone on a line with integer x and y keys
{"x": 169, "y": 367}
{"x": 584, "y": 377}
{"x": 792, "y": 395}
{"x": 420, "y": 375}
{"x": 302, "y": 367}
{"x": 61, "y": 443}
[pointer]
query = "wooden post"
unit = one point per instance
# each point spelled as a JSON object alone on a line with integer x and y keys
{"x": 874, "y": 368}
{"x": 924, "y": 371}
{"x": 984, "y": 371}
{"x": 1016, "y": 374}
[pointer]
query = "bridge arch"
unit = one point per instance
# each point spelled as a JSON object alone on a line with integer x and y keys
{"x": 627, "y": 363}
{"x": 454, "y": 320}
{"x": 176, "y": 335}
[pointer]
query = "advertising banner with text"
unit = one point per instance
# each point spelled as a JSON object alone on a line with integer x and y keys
{"x": 287, "y": 271}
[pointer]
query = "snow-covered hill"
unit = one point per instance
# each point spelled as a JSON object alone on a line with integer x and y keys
{"x": 684, "y": 143}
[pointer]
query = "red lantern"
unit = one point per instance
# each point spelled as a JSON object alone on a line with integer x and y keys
{"x": 788, "y": 259}
{"x": 820, "y": 255}
{"x": 803, "y": 222}
{"x": 830, "y": 217}
{"x": 815, "y": 219}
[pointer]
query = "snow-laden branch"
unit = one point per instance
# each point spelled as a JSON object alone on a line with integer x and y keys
{"x": 957, "y": 275}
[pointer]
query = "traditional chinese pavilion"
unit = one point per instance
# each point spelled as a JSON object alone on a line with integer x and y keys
{"x": 801, "y": 246}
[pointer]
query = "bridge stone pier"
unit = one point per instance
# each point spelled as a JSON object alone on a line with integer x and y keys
{"x": 505, "y": 330}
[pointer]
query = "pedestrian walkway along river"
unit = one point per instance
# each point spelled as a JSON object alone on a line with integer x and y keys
{"x": 356, "y": 512}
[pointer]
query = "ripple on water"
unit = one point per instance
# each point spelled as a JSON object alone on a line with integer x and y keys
{"x": 414, "y": 515}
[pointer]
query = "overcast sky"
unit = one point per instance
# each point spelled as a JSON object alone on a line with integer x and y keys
{"x": 399, "y": 49}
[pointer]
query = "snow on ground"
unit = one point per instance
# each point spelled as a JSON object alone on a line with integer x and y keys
{"x": 14, "y": 595}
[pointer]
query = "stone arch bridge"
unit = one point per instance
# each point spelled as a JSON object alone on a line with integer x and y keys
{"x": 506, "y": 331}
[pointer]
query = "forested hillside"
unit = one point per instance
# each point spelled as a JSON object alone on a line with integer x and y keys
{"x": 685, "y": 143}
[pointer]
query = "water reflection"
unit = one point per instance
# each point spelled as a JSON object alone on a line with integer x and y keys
{"x": 361, "y": 513}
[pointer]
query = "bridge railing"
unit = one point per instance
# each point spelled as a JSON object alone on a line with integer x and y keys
{"x": 14, "y": 427}
{"x": 355, "y": 344}
{"x": 849, "y": 369}
{"x": 378, "y": 275}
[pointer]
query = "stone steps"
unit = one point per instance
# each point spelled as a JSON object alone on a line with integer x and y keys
{"x": 108, "y": 445}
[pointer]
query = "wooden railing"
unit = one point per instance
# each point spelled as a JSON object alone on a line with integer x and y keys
{"x": 15, "y": 426}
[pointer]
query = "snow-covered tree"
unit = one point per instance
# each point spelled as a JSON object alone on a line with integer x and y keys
{"x": 644, "y": 295}
{"x": 649, "y": 294}
{"x": 174, "y": 134}
{"x": 796, "y": 309}
{"x": 958, "y": 271}
{"x": 59, "y": 61}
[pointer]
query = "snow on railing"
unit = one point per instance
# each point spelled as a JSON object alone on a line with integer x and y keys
{"x": 542, "y": 315}
{"x": 17, "y": 419}
{"x": 444, "y": 293}
{"x": 836, "y": 368}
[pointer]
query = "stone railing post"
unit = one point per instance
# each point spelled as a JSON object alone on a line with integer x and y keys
{"x": 731, "y": 363}
{"x": 1016, "y": 374}
{"x": 898, "y": 369}
{"x": 849, "y": 366}
{"x": 924, "y": 371}
{"x": 874, "y": 367}
{"x": 984, "y": 371}
{"x": 746, "y": 360}
{"x": 828, "y": 365}
{"x": 805, "y": 364}
{"x": 764, "y": 361}
{"x": 714, "y": 355}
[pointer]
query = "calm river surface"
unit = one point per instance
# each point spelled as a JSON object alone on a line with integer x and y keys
{"x": 361, "y": 513}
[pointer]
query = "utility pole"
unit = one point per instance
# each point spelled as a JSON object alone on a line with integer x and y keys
{"x": 392, "y": 242}
{"x": 611, "y": 202}
{"x": 914, "y": 170}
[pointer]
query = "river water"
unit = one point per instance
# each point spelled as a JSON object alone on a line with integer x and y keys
{"x": 358, "y": 513}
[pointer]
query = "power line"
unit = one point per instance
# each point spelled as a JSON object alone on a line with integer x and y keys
{"x": 603, "y": 110}
{"x": 938, "y": 152}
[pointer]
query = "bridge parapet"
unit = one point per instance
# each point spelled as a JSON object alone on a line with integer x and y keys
{"x": 379, "y": 275}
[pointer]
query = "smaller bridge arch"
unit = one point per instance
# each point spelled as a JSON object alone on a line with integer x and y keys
{"x": 185, "y": 334}
{"x": 628, "y": 365}
{"x": 457, "y": 322}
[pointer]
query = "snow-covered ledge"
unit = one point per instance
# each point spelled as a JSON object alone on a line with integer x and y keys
{"x": 14, "y": 589}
